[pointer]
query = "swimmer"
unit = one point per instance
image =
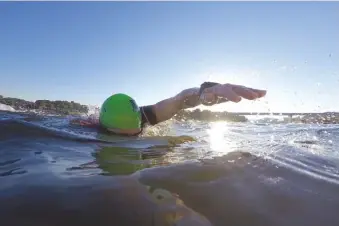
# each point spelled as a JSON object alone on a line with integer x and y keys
{"x": 120, "y": 114}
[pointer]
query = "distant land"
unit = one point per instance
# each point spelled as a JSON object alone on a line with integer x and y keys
{"x": 207, "y": 115}
{"x": 46, "y": 106}
{"x": 321, "y": 118}
{"x": 73, "y": 108}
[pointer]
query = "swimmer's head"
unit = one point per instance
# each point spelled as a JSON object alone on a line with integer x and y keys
{"x": 121, "y": 115}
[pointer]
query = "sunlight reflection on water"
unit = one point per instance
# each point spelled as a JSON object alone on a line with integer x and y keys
{"x": 219, "y": 139}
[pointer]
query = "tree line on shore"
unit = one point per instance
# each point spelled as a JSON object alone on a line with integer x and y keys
{"x": 58, "y": 106}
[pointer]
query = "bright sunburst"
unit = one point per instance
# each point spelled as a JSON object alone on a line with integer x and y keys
{"x": 218, "y": 137}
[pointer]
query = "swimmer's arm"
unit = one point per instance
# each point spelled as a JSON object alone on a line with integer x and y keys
{"x": 91, "y": 121}
{"x": 211, "y": 93}
{"x": 167, "y": 108}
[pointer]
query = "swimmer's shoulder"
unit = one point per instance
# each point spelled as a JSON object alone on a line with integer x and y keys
{"x": 148, "y": 116}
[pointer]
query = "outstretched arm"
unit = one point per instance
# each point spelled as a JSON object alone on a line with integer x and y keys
{"x": 208, "y": 94}
{"x": 167, "y": 108}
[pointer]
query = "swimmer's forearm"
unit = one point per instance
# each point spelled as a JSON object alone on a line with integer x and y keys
{"x": 167, "y": 108}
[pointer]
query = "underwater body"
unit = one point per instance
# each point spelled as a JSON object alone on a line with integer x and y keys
{"x": 177, "y": 173}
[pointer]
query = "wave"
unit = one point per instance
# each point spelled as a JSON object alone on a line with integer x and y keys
{"x": 40, "y": 127}
{"x": 18, "y": 128}
{"x": 4, "y": 107}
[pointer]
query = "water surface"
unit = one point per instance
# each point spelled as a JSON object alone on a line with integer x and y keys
{"x": 177, "y": 173}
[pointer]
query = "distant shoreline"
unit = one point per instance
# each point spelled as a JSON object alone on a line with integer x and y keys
{"x": 73, "y": 108}
{"x": 206, "y": 115}
{"x": 47, "y": 106}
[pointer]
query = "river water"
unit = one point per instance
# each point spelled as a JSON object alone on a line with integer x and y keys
{"x": 177, "y": 173}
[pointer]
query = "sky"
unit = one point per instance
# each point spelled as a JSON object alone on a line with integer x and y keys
{"x": 86, "y": 51}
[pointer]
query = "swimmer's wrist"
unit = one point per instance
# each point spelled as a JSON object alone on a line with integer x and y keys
{"x": 205, "y": 99}
{"x": 205, "y": 85}
{"x": 188, "y": 98}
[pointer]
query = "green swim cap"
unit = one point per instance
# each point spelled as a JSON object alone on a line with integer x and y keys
{"x": 120, "y": 111}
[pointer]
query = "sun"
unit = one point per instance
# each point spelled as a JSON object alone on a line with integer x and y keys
{"x": 219, "y": 139}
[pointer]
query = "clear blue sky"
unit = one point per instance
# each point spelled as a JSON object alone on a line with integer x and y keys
{"x": 85, "y": 51}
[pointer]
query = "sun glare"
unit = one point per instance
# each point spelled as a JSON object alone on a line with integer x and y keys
{"x": 218, "y": 139}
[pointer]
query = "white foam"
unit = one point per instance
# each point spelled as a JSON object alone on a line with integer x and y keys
{"x": 4, "y": 107}
{"x": 93, "y": 110}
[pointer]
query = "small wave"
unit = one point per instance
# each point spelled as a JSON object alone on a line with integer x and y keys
{"x": 16, "y": 128}
{"x": 4, "y": 107}
{"x": 306, "y": 142}
{"x": 37, "y": 126}
{"x": 328, "y": 131}
{"x": 12, "y": 172}
{"x": 8, "y": 162}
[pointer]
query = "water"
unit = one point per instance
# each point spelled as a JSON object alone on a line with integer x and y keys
{"x": 178, "y": 173}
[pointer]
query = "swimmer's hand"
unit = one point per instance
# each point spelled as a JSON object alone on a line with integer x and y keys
{"x": 208, "y": 94}
{"x": 214, "y": 93}
{"x": 88, "y": 122}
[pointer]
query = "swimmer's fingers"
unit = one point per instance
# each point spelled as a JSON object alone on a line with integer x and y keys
{"x": 260, "y": 93}
{"x": 224, "y": 91}
{"x": 245, "y": 93}
{"x": 248, "y": 93}
{"x": 233, "y": 93}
